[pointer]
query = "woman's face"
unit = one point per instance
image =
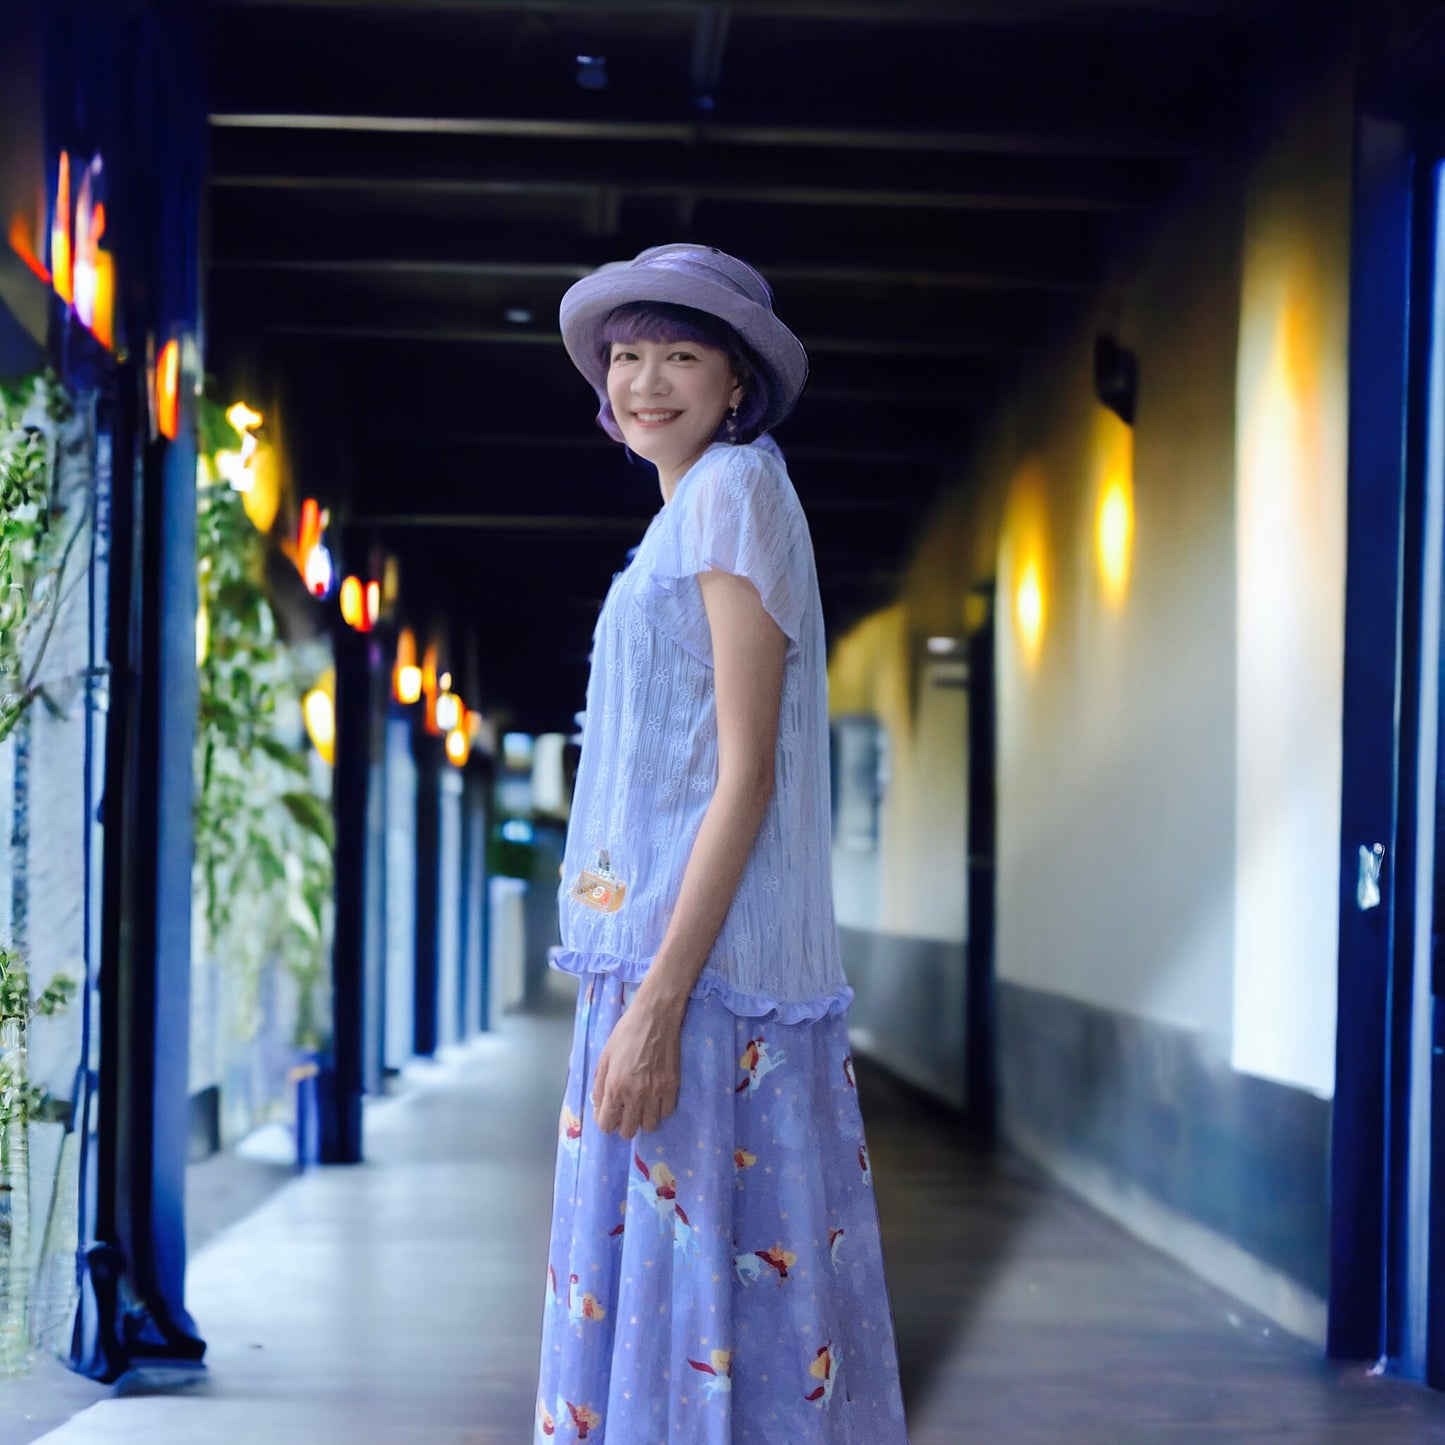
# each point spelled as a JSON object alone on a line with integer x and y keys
{"x": 669, "y": 398}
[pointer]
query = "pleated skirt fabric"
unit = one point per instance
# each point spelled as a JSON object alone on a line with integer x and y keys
{"x": 720, "y": 1279}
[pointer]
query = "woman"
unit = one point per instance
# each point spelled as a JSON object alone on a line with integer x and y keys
{"x": 715, "y": 1271}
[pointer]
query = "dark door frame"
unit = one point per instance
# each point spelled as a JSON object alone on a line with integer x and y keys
{"x": 1391, "y": 305}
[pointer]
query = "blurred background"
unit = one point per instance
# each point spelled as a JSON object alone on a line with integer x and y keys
{"x": 1123, "y": 454}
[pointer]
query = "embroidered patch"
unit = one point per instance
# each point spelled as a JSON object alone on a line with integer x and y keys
{"x": 600, "y": 887}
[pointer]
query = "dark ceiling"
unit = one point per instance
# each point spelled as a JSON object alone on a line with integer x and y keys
{"x": 401, "y": 191}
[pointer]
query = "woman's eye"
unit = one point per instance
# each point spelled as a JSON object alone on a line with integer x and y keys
{"x": 621, "y": 355}
{"x": 684, "y": 356}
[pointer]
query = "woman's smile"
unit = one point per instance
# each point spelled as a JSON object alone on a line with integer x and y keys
{"x": 646, "y": 378}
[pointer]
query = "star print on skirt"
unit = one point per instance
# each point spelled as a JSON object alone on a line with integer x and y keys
{"x": 720, "y": 1279}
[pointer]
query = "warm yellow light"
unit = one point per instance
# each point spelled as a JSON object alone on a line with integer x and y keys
{"x": 168, "y": 390}
{"x": 405, "y": 674}
{"x": 445, "y": 682}
{"x": 318, "y": 707}
{"x": 1029, "y": 607}
{"x": 203, "y": 634}
{"x": 459, "y": 745}
{"x": 448, "y": 711}
{"x": 1114, "y": 520}
{"x": 353, "y": 602}
{"x": 1116, "y": 531}
{"x": 262, "y": 499}
{"x": 242, "y": 417}
{"x": 373, "y": 604}
{"x": 61, "y": 268}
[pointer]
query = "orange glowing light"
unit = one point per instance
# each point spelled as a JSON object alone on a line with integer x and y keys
{"x": 353, "y": 605}
{"x": 449, "y": 711}
{"x": 459, "y": 745}
{"x": 429, "y": 685}
{"x": 373, "y": 604}
{"x": 168, "y": 390}
{"x": 406, "y": 675}
{"x": 60, "y": 259}
{"x": 308, "y": 534}
{"x": 20, "y": 243}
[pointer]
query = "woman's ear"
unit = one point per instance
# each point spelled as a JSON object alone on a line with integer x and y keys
{"x": 735, "y": 396}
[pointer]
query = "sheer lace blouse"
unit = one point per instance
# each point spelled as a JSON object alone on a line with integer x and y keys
{"x": 649, "y": 750}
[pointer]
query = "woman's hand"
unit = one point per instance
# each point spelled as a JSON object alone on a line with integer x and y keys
{"x": 640, "y": 1071}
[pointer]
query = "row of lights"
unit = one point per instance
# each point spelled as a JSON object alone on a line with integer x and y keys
{"x": 446, "y": 713}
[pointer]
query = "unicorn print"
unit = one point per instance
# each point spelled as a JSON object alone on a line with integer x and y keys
{"x": 569, "y": 1131}
{"x": 719, "y": 1372}
{"x": 757, "y": 1062}
{"x": 835, "y": 1243}
{"x": 750, "y": 1266}
{"x": 683, "y": 1234}
{"x": 584, "y": 1418}
{"x": 825, "y": 1368}
{"x": 657, "y": 1189}
{"x": 582, "y": 1307}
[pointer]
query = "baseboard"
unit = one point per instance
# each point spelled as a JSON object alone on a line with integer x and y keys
{"x": 1216, "y": 1260}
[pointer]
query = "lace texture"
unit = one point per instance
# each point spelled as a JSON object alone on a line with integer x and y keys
{"x": 649, "y": 750}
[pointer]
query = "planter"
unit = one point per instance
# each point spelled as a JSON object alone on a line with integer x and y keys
{"x": 316, "y": 1132}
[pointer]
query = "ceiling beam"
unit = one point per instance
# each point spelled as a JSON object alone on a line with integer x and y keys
{"x": 483, "y": 336}
{"x": 1153, "y": 143}
{"x": 854, "y": 275}
{"x": 873, "y": 197}
{"x": 927, "y": 12}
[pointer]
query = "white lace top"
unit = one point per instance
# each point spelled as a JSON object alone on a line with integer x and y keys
{"x": 649, "y": 750}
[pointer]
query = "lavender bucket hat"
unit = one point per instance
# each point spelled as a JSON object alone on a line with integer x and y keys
{"x": 686, "y": 274}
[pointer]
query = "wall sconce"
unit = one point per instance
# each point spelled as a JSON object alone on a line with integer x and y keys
{"x": 448, "y": 711}
{"x": 406, "y": 675}
{"x": 459, "y": 742}
{"x": 318, "y": 708}
{"x": 168, "y": 390}
{"x": 1116, "y": 378}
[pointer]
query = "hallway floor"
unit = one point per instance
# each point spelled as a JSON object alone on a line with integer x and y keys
{"x": 399, "y": 1302}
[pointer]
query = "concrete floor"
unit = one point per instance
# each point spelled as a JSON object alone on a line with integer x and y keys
{"x": 399, "y": 1302}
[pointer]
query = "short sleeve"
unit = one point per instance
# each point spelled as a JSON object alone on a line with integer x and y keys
{"x": 736, "y": 512}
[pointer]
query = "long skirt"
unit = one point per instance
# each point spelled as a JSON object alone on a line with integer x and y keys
{"x": 719, "y": 1279}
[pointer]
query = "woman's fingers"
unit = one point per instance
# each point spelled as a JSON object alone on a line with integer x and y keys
{"x": 599, "y": 1083}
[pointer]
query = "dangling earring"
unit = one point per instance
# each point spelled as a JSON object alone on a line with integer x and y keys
{"x": 733, "y": 426}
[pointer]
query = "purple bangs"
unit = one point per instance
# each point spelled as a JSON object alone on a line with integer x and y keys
{"x": 664, "y": 321}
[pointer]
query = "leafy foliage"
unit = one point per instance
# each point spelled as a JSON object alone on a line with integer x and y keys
{"x": 263, "y": 847}
{"x": 19, "y": 1099}
{"x": 35, "y": 546}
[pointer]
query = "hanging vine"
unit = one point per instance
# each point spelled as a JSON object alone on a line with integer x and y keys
{"x": 263, "y": 845}
{"x": 36, "y": 543}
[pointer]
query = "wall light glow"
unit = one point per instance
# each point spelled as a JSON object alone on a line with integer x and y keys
{"x": 168, "y": 390}
{"x": 1114, "y": 518}
{"x": 1029, "y": 608}
{"x": 459, "y": 745}
{"x": 405, "y": 674}
{"x": 448, "y": 711}
{"x": 318, "y": 707}
{"x": 353, "y": 604}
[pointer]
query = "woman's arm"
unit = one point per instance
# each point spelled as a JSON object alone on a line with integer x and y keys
{"x": 638, "y": 1075}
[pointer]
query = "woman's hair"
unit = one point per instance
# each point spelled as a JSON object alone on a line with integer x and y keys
{"x": 665, "y": 321}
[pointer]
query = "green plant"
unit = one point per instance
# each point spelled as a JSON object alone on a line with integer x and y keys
{"x": 20, "y": 1102}
{"x": 263, "y": 844}
{"x": 35, "y": 546}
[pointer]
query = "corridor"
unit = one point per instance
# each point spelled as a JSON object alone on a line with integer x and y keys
{"x": 398, "y": 1302}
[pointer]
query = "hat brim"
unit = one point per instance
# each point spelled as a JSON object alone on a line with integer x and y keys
{"x": 589, "y": 302}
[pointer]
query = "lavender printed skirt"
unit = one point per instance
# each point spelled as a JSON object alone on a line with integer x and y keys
{"x": 721, "y": 1279}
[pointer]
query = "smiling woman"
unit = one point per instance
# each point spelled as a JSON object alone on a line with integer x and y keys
{"x": 713, "y": 1207}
